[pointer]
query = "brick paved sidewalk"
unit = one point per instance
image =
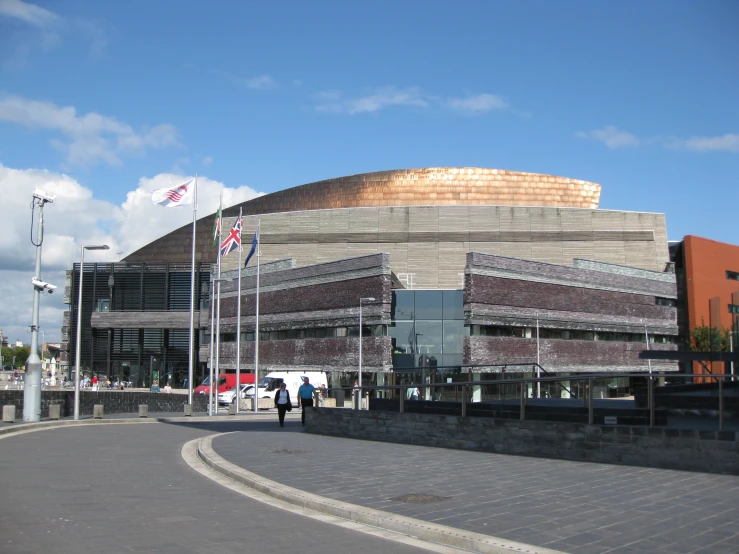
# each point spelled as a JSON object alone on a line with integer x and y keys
{"x": 570, "y": 506}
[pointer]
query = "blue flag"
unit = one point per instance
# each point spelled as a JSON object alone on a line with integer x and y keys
{"x": 253, "y": 247}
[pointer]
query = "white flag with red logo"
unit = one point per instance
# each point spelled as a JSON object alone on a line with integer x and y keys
{"x": 176, "y": 196}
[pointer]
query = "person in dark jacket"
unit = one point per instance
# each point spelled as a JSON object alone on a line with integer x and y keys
{"x": 283, "y": 403}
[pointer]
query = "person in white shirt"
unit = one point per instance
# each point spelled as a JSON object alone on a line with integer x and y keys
{"x": 283, "y": 403}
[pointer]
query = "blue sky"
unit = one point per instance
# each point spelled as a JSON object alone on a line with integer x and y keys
{"x": 120, "y": 97}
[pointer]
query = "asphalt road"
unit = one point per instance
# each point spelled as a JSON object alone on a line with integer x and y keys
{"x": 124, "y": 488}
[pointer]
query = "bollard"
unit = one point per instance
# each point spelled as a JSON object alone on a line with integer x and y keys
{"x": 8, "y": 413}
{"x": 98, "y": 411}
{"x": 721, "y": 404}
{"x": 55, "y": 411}
{"x": 522, "y": 416}
{"x": 188, "y": 410}
{"x": 143, "y": 410}
{"x": 591, "y": 386}
{"x": 464, "y": 401}
{"x": 231, "y": 409}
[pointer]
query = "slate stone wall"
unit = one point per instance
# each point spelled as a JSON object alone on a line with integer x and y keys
{"x": 328, "y": 354}
{"x": 689, "y": 450}
{"x": 609, "y": 305}
{"x": 115, "y": 402}
{"x": 564, "y": 355}
{"x": 324, "y": 296}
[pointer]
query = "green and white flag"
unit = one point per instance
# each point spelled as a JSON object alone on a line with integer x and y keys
{"x": 217, "y": 228}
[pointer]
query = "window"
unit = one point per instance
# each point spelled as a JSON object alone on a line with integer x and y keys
{"x": 102, "y": 305}
{"x": 734, "y": 308}
{"x": 665, "y": 302}
{"x": 733, "y": 275}
{"x": 429, "y": 304}
{"x": 453, "y": 304}
{"x": 403, "y": 305}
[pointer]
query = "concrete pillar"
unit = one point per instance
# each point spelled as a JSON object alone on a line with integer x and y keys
{"x": 231, "y": 410}
{"x": 55, "y": 411}
{"x": 188, "y": 410}
{"x": 143, "y": 410}
{"x": 9, "y": 414}
{"x": 476, "y": 389}
{"x": 98, "y": 410}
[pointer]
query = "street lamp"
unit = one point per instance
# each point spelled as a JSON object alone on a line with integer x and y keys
{"x": 368, "y": 299}
{"x": 79, "y": 326}
{"x": 211, "y": 403}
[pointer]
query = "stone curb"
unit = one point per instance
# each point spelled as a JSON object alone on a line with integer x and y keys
{"x": 40, "y": 426}
{"x": 432, "y": 532}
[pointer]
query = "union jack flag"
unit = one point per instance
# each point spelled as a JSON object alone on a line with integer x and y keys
{"x": 233, "y": 240}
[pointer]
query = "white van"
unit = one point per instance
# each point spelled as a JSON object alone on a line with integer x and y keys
{"x": 292, "y": 379}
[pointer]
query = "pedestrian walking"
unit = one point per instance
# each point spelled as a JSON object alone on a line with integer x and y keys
{"x": 322, "y": 395}
{"x": 305, "y": 396}
{"x": 283, "y": 403}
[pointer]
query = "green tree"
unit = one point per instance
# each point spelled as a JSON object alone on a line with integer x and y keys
{"x": 7, "y": 355}
{"x": 21, "y": 354}
{"x": 708, "y": 339}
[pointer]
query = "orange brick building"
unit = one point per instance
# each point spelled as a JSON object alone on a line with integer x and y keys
{"x": 708, "y": 277}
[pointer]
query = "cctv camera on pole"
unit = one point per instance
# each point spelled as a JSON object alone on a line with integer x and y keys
{"x": 32, "y": 379}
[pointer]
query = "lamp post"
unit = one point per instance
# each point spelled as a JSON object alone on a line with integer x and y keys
{"x": 538, "y": 360}
{"x": 79, "y": 326}
{"x": 367, "y": 299}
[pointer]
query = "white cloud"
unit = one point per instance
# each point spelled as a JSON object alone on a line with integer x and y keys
{"x": 478, "y": 104}
{"x": 726, "y": 143}
{"x": 28, "y": 13}
{"x": 207, "y": 161}
{"x": 611, "y": 136}
{"x": 76, "y": 217}
{"x": 90, "y": 138}
{"x": 332, "y": 101}
{"x": 614, "y": 138}
{"x": 46, "y": 31}
{"x": 262, "y": 82}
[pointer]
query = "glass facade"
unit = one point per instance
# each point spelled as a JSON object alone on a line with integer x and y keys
{"x": 427, "y": 330}
{"x": 132, "y": 354}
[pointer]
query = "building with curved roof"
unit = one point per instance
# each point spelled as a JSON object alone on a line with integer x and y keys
{"x": 498, "y": 267}
{"x": 428, "y": 219}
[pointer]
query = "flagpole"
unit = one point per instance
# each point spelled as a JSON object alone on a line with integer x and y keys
{"x": 192, "y": 294}
{"x": 256, "y": 327}
{"x": 210, "y": 362}
{"x": 218, "y": 312}
{"x": 238, "y": 328}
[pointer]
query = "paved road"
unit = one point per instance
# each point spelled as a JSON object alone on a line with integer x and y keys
{"x": 568, "y": 506}
{"x": 125, "y": 488}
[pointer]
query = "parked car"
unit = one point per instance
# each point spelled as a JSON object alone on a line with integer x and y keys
{"x": 226, "y": 382}
{"x": 229, "y": 397}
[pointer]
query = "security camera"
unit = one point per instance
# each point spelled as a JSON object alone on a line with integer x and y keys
{"x": 44, "y": 197}
{"x": 42, "y": 286}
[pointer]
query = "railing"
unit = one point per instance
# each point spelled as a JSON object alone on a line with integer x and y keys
{"x": 705, "y": 401}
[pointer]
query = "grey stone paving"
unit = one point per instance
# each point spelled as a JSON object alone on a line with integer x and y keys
{"x": 125, "y": 489}
{"x": 568, "y": 506}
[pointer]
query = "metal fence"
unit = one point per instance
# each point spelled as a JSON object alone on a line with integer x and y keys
{"x": 705, "y": 406}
